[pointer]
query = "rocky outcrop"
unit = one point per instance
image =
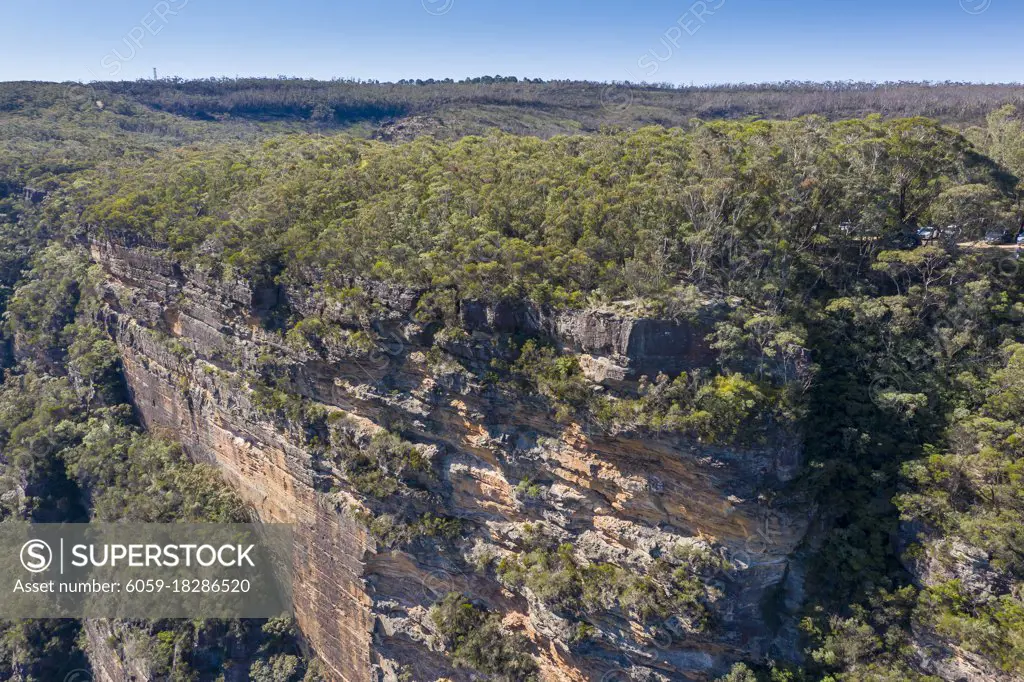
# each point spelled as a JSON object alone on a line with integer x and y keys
{"x": 943, "y": 560}
{"x": 616, "y": 345}
{"x": 111, "y": 660}
{"x": 193, "y": 347}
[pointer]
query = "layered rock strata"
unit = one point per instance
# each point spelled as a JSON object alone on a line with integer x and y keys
{"x": 193, "y": 346}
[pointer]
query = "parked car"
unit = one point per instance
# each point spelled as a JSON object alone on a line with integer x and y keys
{"x": 927, "y": 234}
{"x": 904, "y": 241}
{"x": 1020, "y": 238}
{"x": 999, "y": 235}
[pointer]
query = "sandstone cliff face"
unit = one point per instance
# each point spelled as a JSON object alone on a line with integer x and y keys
{"x": 191, "y": 345}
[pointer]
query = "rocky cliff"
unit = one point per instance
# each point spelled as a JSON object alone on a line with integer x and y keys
{"x": 300, "y": 429}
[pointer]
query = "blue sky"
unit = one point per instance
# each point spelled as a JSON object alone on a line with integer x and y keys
{"x": 654, "y": 40}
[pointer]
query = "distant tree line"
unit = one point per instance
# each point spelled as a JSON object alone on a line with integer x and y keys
{"x": 348, "y": 99}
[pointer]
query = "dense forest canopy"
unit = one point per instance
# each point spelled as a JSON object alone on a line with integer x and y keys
{"x": 722, "y": 206}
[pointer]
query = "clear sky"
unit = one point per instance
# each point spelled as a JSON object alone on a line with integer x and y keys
{"x": 654, "y": 40}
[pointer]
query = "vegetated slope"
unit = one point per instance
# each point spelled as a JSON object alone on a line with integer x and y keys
{"x": 912, "y": 414}
{"x": 51, "y": 130}
{"x": 529, "y": 106}
{"x": 561, "y": 106}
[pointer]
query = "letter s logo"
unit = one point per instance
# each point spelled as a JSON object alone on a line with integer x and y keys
{"x": 36, "y": 556}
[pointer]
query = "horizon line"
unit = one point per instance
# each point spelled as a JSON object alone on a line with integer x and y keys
{"x": 528, "y": 80}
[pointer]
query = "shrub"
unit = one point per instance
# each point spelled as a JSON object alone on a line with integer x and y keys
{"x": 383, "y": 466}
{"x": 477, "y": 640}
{"x": 555, "y": 577}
